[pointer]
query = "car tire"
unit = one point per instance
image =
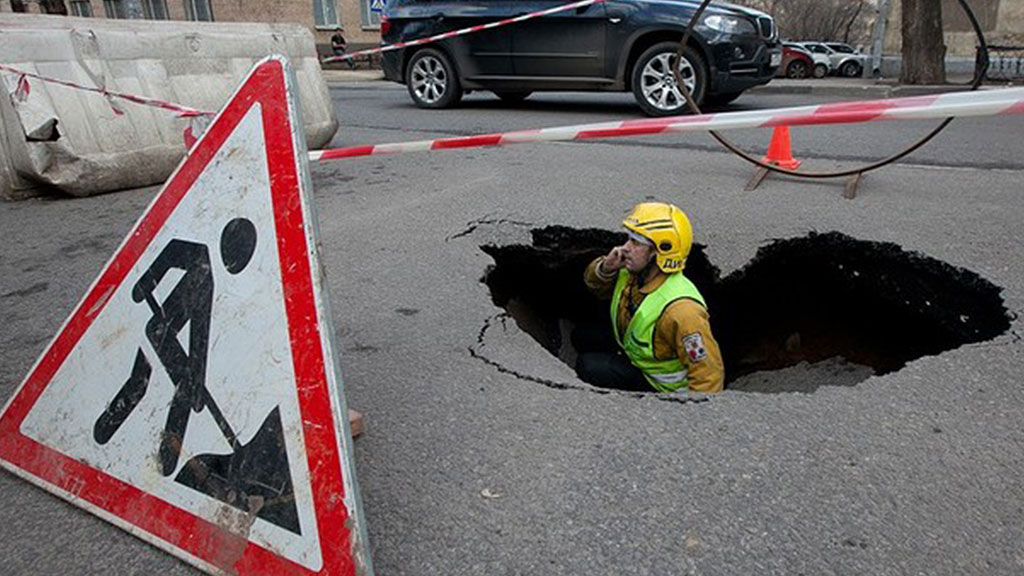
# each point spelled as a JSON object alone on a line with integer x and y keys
{"x": 432, "y": 81}
{"x": 850, "y": 70}
{"x": 797, "y": 70}
{"x": 820, "y": 70}
{"x": 513, "y": 96}
{"x": 654, "y": 85}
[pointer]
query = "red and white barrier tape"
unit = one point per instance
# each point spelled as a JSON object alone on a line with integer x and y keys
{"x": 22, "y": 92}
{"x": 958, "y": 104}
{"x": 468, "y": 30}
{"x": 979, "y": 103}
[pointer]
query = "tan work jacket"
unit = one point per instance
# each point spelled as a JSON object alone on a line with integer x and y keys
{"x": 678, "y": 324}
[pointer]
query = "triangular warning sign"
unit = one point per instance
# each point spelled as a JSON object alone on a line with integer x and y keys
{"x": 192, "y": 397}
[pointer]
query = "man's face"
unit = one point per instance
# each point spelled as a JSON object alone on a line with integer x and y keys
{"x": 637, "y": 254}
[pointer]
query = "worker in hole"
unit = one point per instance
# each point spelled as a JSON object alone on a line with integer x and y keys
{"x": 660, "y": 324}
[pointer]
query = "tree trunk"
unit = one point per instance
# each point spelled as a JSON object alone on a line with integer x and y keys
{"x": 850, "y": 22}
{"x": 924, "y": 52}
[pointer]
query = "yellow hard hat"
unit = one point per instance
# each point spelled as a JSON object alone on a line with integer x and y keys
{"x": 668, "y": 229}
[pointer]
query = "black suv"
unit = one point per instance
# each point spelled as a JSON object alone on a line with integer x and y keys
{"x": 616, "y": 45}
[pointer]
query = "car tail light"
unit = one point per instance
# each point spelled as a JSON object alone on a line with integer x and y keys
{"x": 385, "y": 25}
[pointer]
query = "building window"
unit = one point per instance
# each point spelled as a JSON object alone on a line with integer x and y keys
{"x": 371, "y": 19}
{"x": 116, "y": 9}
{"x": 81, "y": 8}
{"x": 199, "y": 10}
{"x": 154, "y": 9}
{"x": 325, "y": 13}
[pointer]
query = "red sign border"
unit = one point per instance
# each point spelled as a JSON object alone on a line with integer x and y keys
{"x": 178, "y": 531}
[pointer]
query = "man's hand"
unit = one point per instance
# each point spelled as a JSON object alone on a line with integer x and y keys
{"x": 613, "y": 261}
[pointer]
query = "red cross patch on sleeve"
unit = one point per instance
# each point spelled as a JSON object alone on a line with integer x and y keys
{"x": 694, "y": 346}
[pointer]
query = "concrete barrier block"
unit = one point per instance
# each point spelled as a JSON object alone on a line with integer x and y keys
{"x": 77, "y": 142}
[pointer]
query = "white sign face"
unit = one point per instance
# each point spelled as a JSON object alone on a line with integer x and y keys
{"x": 248, "y": 376}
{"x": 377, "y": 5}
{"x": 177, "y": 381}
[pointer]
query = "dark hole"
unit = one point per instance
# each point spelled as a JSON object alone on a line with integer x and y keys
{"x": 45, "y": 132}
{"x": 825, "y": 309}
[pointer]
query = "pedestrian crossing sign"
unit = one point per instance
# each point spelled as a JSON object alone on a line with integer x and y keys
{"x": 377, "y": 5}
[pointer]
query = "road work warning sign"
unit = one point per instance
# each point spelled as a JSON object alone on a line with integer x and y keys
{"x": 192, "y": 397}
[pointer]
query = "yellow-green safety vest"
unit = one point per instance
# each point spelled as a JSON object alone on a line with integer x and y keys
{"x": 664, "y": 375}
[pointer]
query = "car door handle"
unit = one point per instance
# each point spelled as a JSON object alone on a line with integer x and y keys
{"x": 615, "y": 20}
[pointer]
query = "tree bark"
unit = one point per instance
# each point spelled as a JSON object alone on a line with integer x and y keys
{"x": 852, "y": 19}
{"x": 924, "y": 52}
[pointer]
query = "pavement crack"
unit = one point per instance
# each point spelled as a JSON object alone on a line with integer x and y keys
{"x": 474, "y": 224}
{"x": 33, "y": 289}
{"x": 502, "y": 319}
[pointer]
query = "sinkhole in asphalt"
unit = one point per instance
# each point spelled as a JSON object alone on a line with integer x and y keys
{"x": 824, "y": 309}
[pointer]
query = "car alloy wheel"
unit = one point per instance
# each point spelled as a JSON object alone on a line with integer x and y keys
{"x": 659, "y": 84}
{"x": 431, "y": 80}
{"x": 850, "y": 70}
{"x": 820, "y": 70}
{"x": 796, "y": 70}
{"x": 654, "y": 85}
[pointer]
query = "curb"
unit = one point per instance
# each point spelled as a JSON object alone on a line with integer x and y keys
{"x": 346, "y": 76}
{"x": 854, "y": 90}
{"x": 862, "y": 89}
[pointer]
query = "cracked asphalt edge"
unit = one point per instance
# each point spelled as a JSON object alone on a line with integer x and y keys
{"x": 475, "y": 351}
{"x": 472, "y": 225}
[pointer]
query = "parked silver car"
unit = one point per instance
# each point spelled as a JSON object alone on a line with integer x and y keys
{"x": 846, "y": 61}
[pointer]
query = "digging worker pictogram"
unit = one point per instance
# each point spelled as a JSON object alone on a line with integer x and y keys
{"x": 188, "y": 304}
{"x": 659, "y": 319}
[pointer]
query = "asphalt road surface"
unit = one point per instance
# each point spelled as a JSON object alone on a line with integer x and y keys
{"x": 473, "y": 463}
{"x": 369, "y": 112}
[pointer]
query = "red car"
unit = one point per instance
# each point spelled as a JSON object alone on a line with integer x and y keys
{"x": 796, "y": 62}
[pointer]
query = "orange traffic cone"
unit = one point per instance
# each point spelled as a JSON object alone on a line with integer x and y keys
{"x": 779, "y": 152}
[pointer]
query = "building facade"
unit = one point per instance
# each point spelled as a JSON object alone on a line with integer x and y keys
{"x": 1001, "y": 21}
{"x": 322, "y": 17}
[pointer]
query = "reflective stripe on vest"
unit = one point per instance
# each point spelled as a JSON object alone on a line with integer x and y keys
{"x": 663, "y": 375}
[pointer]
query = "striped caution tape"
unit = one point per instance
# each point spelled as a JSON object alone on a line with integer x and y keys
{"x": 463, "y": 31}
{"x": 957, "y": 104}
{"x": 22, "y": 91}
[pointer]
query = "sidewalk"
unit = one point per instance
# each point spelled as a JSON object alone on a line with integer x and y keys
{"x": 867, "y": 87}
{"x": 344, "y": 76}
